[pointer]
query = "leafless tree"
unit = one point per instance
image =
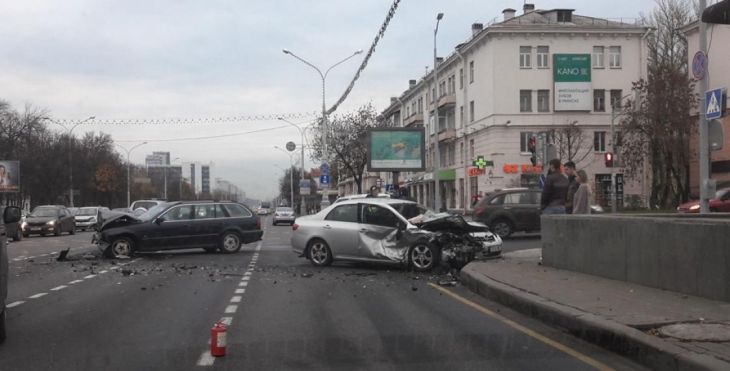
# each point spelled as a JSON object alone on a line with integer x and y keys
{"x": 571, "y": 143}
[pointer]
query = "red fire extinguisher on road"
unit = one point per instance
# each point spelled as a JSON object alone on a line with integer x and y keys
{"x": 218, "y": 340}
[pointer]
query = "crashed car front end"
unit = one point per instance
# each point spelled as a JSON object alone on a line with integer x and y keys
{"x": 101, "y": 237}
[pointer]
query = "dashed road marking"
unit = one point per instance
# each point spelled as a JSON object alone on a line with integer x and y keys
{"x": 14, "y": 304}
{"x": 246, "y": 278}
{"x": 90, "y": 276}
{"x": 75, "y": 281}
{"x": 243, "y": 284}
{"x": 231, "y": 309}
{"x": 247, "y": 273}
{"x": 206, "y": 359}
{"x": 227, "y": 320}
{"x": 59, "y": 288}
{"x": 38, "y": 295}
{"x": 240, "y": 291}
{"x": 104, "y": 271}
{"x": 236, "y": 299}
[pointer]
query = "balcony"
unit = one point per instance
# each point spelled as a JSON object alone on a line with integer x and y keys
{"x": 448, "y": 100}
{"x": 448, "y": 134}
{"x": 413, "y": 119}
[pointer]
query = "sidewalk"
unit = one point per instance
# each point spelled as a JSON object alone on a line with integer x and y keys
{"x": 630, "y": 319}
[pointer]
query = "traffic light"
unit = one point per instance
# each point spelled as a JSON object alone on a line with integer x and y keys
{"x": 532, "y": 147}
{"x": 608, "y": 157}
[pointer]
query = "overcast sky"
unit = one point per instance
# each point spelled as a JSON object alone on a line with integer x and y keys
{"x": 146, "y": 59}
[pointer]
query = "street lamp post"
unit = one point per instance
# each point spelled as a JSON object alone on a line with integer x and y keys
{"x": 70, "y": 159}
{"x": 129, "y": 151}
{"x": 182, "y": 163}
{"x": 301, "y": 133}
{"x": 614, "y": 105}
{"x": 437, "y": 152}
{"x": 324, "y": 77}
{"x": 291, "y": 178}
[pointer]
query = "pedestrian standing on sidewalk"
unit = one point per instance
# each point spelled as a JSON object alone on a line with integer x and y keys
{"x": 572, "y": 186}
{"x": 581, "y": 200}
{"x": 555, "y": 190}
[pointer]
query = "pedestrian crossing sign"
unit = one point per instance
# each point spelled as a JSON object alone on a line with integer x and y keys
{"x": 715, "y": 103}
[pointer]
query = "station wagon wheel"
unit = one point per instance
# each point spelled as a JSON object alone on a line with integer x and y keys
{"x": 121, "y": 246}
{"x": 503, "y": 228}
{"x": 230, "y": 243}
{"x": 422, "y": 257}
{"x": 319, "y": 253}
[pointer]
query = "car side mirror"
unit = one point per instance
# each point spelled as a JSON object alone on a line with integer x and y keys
{"x": 11, "y": 214}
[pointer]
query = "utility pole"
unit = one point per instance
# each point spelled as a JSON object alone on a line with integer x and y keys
{"x": 437, "y": 152}
{"x": 704, "y": 135}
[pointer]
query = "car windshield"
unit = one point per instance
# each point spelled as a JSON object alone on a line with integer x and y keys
{"x": 86, "y": 211}
{"x": 143, "y": 204}
{"x": 411, "y": 210}
{"x": 284, "y": 209}
{"x": 44, "y": 212}
{"x": 153, "y": 212}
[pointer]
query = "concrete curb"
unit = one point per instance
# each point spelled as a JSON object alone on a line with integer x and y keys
{"x": 627, "y": 341}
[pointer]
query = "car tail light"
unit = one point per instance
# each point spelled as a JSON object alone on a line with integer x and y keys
{"x": 294, "y": 227}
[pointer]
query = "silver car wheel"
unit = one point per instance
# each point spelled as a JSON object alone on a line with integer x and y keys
{"x": 231, "y": 242}
{"x": 319, "y": 253}
{"x": 422, "y": 257}
{"x": 122, "y": 247}
{"x": 502, "y": 228}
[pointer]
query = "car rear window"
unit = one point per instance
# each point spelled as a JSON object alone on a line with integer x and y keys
{"x": 236, "y": 211}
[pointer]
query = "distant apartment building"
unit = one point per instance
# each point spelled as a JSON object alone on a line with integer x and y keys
{"x": 718, "y": 61}
{"x": 157, "y": 159}
{"x": 543, "y": 71}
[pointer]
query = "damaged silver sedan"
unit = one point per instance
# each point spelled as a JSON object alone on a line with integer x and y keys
{"x": 391, "y": 231}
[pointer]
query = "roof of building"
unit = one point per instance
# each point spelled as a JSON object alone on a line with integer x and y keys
{"x": 543, "y": 18}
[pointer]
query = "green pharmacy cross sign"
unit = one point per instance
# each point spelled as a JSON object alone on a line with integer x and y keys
{"x": 481, "y": 163}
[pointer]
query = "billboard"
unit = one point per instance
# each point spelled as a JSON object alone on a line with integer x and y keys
{"x": 9, "y": 176}
{"x": 572, "y": 78}
{"x": 396, "y": 149}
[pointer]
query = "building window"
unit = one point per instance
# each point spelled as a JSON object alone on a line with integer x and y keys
{"x": 543, "y": 101}
{"x": 525, "y": 140}
{"x": 420, "y": 104}
{"x": 471, "y": 149}
{"x": 442, "y": 88}
{"x": 598, "y": 56}
{"x": 471, "y": 111}
{"x": 525, "y": 100}
{"x": 471, "y": 72}
{"x": 408, "y": 111}
{"x": 616, "y": 99}
{"x": 614, "y": 57}
{"x": 433, "y": 94}
{"x": 599, "y": 100}
{"x": 462, "y": 120}
{"x": 452, "y": 154}
{"x": 542, "y": 56}
{"x": 599, "y": 141}
{"x": 413, "y": 107}
{"x": 525, "y": 56}
{"x": 461, "y": 78}
{"x": 461, "y": 152}
{"x": 452, "y": 85}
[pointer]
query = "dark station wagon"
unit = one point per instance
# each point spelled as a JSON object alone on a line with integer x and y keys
{"x": 209, "y": 225}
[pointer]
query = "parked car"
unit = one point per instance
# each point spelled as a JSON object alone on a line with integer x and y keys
{"x": 264, "y": 208}
{"x": 720, "y": 203}
{"x": 13, "y": 230}
{"x": 510, "y": 210}
{"x": 10, "y": 214}
{"x": 180, "y": 225}
{"x": 88, "y": 217}
{"x": 47, "y": 219}
{"x": 373, "y": 230}
{"x": 284, "y": 214}
{"x": 72, "y": 210}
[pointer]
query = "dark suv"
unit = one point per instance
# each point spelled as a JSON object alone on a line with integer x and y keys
{"x": 510, "y": 210}
{"x": 181, "y": 225}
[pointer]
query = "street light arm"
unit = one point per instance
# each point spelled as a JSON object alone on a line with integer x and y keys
{"x": 292, "y": 124}
{"x": 340, "y": 62}
{"x": 305, "y": 62}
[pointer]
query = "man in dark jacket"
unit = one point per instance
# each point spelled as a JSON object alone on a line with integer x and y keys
{"x": 555, "y": 190}
{"x": 572, "y": 186}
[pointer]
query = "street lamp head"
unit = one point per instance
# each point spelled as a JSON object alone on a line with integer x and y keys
{"x": 439, "y": 16}
{"x": 280, "y": 118}
{"x": 358, "y": 52}
{"x": 286, "y": 51}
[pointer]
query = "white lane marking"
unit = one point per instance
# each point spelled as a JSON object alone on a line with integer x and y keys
{"x": 30, "y": 257}
{"x": 36, "y": 296}
{"x": 90, "y": 276}
{"x": 206, "y": 359}
{"x": 231, "y": 309}
{"x": 248, "y": 273}
{"x": 240, "y": 291}
{"x": 14, "y": 304}
{"x": 243, "y": 284}
{"x": 227, "y": 320}
{"x": 59, "y": 288}
{"x": 114, "y": 267}
{"x": 245, "y": 278}
{"x": 18, "y": 259}
{"x": 236, "y": 299}
{"x": 75, "y": 281}
{"x": 104, "y": 271}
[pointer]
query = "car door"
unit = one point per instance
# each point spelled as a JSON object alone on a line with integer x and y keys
{"x": 206, "y": 226}
{"x": 378, "y": 233}
{"x": 339, "y": 229}
{"x": 531, "y": 202}
{"x": 174, "y": 229}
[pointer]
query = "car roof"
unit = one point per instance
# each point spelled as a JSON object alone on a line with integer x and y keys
{"x": 375, "y": 200}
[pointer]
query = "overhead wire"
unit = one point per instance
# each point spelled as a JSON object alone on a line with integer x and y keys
{"x": 205, "y": 137}
{"x": 190, "y": 120}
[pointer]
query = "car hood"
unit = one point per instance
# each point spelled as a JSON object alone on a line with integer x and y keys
{"x": 118, "y": 220}
{"x": 39, "y": 219}
{"x": 451, "y": 222}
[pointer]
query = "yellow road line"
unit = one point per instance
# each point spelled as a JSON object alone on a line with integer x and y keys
{"x": 584, "y": 358}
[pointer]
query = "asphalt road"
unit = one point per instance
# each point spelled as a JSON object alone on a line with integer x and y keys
{"x": 155, "y": 311}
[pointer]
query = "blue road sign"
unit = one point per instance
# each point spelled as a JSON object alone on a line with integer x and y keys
{"x": 713, "y": 104}
{"x": 324, "y": 179}
{"x": 324, "y": 169}
{"x": 541, "y": 182}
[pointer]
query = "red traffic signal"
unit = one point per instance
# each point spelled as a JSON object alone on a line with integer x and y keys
{"x": 608, "y": 158}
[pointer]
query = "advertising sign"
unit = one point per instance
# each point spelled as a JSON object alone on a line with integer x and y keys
{"x": 396, "y": 149}
{"x": 572, "y": 77}
{"x": 9, "y": 176}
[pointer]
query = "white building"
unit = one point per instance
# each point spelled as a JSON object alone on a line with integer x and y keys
{"x": 498, "y": 89}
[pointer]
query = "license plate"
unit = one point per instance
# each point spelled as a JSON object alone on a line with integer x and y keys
{"x": 36, "y": 229}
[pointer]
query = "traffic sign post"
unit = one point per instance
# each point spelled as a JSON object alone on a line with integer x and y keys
{"x": 715, "y": 103}
{"x": 699, "y": 65}
{"x": 324, "y": 180}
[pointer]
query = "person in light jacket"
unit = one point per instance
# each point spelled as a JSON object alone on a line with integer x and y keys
{"x": 581, "y": 199}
